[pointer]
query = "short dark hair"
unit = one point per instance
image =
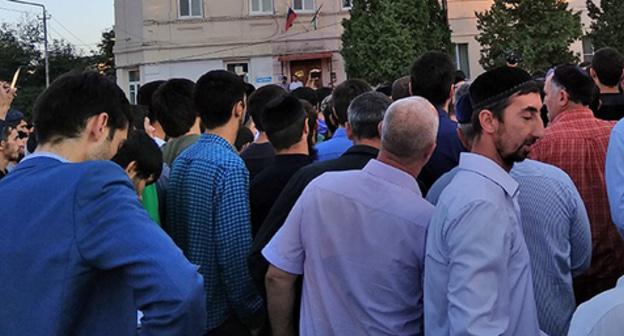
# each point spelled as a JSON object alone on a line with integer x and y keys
{"x": 216, "y": 93}
{"x": 243, "y": 137}
{"x": 608, "y": 64}
{"x": 258, "y": 100}
{"x": 460, "y": 76}
{"x": 498, "y": 107}
{"x": 322, "y": 93}
{"x": 432, "y": 75}
{"x": 312, "y": 120}
{"x": 366, "y": 112}
{"x": 141, "y": 148}
{"x": 284, "y": 120}
{"x": 137, "y": 117}
{"x": 580, "y": 87}
{"x": 306, "y": 94}
{"x": 144, "y": 97}
{"x": 63, "y": 109}
{"x": 345, "y": 93}
{"x": 400, "y": 88}
{"x": 5, "y": 131}
{"x": 173, "y": 105}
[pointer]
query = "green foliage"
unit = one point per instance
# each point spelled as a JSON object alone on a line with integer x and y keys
{"x": 21, "y": 46}
{"x": 382, "y": 38}
{"x": 540, "y": 30}
{"x": 607, "y": 27}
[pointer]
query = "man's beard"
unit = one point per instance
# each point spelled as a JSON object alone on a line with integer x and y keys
{"x": 101, "y": 152}
{"x": 519, "y": 155}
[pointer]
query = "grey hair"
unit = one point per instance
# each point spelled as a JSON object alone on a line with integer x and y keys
{"x": 365, "y": 113}
{"x": 409, "y": 127}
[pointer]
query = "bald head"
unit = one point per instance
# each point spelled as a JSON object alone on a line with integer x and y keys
{"x": 409, "y": 129}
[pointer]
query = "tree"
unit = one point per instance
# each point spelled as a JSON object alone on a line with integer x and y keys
{"x": 18, "y": 48}
{"x": 607, "y": 27}
{"x": 382, "y": 38}
{"x": 104, "y": 58}
{"x": 539, "y": 30}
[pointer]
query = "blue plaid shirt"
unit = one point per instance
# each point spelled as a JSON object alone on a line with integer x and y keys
{"x": 208, "y": 217}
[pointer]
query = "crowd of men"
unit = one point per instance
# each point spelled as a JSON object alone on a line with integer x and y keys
{"x": 434, "y": 206}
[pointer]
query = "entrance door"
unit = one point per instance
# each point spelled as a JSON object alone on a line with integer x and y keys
{"x": 304, "y": 67}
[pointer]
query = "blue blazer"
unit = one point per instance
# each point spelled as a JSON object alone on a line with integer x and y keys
{"x": 79, "y": 255}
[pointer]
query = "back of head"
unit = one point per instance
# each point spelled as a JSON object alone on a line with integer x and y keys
{"x": 243, "y": 138}
{"x": 258, "y": 100}
{"x": 62, "y": 110}
{"x": 142, "y": 149}
{"x": 216, "y": 94}
{"x": 432, "y": 76}
{"x": 460, "y": 76}
{"x": 284, "y": 121}
{"x": 173, "y": 105}
{"x": 385, "y": 88}
{"x": 306, "y": 94}
{"x": 366, "y": 112}
{"x": 144, "y": 97}
{"x": 345, "y": 93}
{"x": 323, "y": 93}
{"x": 580, "y": 87}
{"x": 608, "y": 64}
{"x": 410, "y": 127}
{"x": 400, "y": 88}
{"x": 137, "y": 117}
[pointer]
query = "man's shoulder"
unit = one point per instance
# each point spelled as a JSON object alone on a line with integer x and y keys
{"x": 203, "y": 156}
{"x": 350, "y": 162}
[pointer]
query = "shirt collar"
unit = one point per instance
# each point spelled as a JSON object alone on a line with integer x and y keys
{"x": 442, "y": 113}
{"x": 340, "y": 133}
{"x": 48, "y": 155}
{"x": 392, "y": 175}
{"x": 215, "y": 139}
{"x": 620, "y": 282}
{"x": 490, "y": 170}
{"x": 573, "y": 114}
{"x": 362, "y": 149}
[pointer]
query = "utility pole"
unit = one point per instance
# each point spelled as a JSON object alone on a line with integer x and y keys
{"x": 45, "y": 36}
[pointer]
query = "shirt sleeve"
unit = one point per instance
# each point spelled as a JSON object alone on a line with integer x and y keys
{"x": 113, "y": 231}
{"x": 614, "y": 175}
{"x": 479, "y": 248}
{"x": 580, "y": 233}
{"x": 233, "y": 228}
{"x": 285, "y": 251}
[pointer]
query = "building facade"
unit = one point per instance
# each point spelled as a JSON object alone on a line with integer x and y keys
{"x": 162, "y": 39}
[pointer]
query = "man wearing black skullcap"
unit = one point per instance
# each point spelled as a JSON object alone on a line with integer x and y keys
{"x": 577, "y": 142}
{"x": 554, "y": 223}
{"x": 478, "y": 278}
{"x": 284, "y": 121}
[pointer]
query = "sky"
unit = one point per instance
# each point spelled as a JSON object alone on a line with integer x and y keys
{"x": 80, "y": 22}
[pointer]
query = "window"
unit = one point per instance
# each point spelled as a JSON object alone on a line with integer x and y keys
{"x": 134, "y": 82}
{"x": 241, "y": 69}
{"x": 461, "y": 58}
{"x": 261, "y": 6}
{"x": 588, "y": 49}
{"x": 347, "y": 4}
{"x": 303, "y": 5}
{"x": 190, "y": 8}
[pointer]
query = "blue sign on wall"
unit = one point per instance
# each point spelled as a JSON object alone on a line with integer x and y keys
{"x": 264, "y": 79}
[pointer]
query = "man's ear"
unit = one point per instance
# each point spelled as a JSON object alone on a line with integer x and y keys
{"x": 238, "y": 110}
{"x": 97, "y": 127}
{"x": 349, "y": 130}
{"x": 488, "y": 122}
{"x": 132, "y": 170}
{"x": 380, "y": 128}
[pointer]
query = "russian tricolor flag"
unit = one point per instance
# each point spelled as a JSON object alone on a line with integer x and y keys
{"x": 290, "y": 18}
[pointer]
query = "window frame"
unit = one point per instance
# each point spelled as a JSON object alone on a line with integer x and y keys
{"x": 190, "y": 16}
{"x": 303, "y": 10}
{"x": 456, "y": 49}
{"x": 262, "y": 10}
{"x": 134, "y": 86}
{"x": 343, "y": 7}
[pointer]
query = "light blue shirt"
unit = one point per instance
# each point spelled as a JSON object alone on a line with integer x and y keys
{"x": 602, "y": 315}
{"x": 557, "y": 233}
{"x": 614, "y": 175}
{"x": 334, "y": 147}
{"x": 358, "y": 238}
{"x": 477, "y": 269}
